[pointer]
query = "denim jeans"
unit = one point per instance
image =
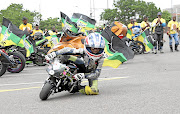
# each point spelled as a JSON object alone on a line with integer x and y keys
{"x": 175, "y": 38}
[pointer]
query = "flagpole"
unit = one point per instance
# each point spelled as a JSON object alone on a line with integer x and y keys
{"x": 107, "y": 4}
{"x": 90, "y": 10}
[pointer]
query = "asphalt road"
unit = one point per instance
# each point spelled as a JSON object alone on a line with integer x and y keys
{"x": 148, "y": 84}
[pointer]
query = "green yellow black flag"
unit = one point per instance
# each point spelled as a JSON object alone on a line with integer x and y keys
{"x": 67, "y": 23}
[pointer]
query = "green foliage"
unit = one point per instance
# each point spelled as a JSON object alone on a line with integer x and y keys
{"x": 166, "y": 15}
{"x": 49, "y": 23}
{"x": 126, "y": 9}
{"x": 109, "y": 14}
{"x": 15, "y": 13}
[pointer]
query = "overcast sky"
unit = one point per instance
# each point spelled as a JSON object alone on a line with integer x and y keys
{"x": 52, "y": 8}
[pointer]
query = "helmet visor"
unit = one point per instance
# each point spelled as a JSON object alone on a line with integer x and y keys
{"x": 95, "y": 51}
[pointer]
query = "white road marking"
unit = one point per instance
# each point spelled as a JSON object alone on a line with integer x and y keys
{"x": 45, "y": 73}
{"x": 84, "y": 80}
{"x": 115, "y": 68}
{"x": 21, "y": 84}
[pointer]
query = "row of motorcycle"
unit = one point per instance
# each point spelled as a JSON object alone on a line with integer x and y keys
{"x": 13, "y": 58}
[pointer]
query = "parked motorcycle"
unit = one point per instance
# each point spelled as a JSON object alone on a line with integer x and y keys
{"x": 61, "y": 78}
{"x": 137, "y": 46}
{"x": 13, "y": 62}
{"x": 37, "y": 57}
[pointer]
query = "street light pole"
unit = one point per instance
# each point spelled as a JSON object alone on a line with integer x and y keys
{"x": 107, "y": 4}
{"x": 171, "y": 8}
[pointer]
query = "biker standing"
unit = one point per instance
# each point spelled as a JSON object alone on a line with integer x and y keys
{"x": 173, "y": 31}
{"x": 37, "y": 30}
{"x": 91, "y": 63}
{"x": 145, "y": 25}
{"x": 159, "y": 24}
{"x": 25, "y": 25}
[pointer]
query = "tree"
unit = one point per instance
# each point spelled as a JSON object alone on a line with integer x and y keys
{"x": 15, "y": 13}
{"x": 109, "y": 14}
{"x": 126, "y": 9}
{"x": 49, "y": 23}
{"x": 166, "y": 15}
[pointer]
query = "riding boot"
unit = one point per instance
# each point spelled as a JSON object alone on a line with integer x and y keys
{"x": 92, "y": 90}
{"x": 171, "y": 48}
{"x": 176, "y": 47}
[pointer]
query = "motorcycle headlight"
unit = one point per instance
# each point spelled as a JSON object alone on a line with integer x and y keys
{"x": 51, "y": 72}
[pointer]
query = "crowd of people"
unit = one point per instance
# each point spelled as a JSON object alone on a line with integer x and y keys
{"x": 28, "y": 26}
{"x": 157, "y": 29}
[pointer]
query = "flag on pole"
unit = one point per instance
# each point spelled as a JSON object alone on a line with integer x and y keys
{"x": 67, "y": 24}
{"x": 112, "y": 59}
{"x": 10, "y": 34}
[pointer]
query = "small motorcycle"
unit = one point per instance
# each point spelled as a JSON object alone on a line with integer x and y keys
{"x": 61, "y": 78}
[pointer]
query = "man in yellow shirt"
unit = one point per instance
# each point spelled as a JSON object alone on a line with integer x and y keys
{"x": 37, "y": 33}
{"x": 173, "y": 32}
{"x": 25, "y": 25}
{"x": 159, "y": 24}
{"x": 53, "y": 31}
{"x": 37, "y": 29}
{"x": 133, "y": 25}
{"x": 145, "y": 25}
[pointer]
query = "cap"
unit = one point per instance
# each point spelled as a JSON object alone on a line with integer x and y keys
{"x": 159, "y": 13}
{"x": 24, "y": 18}
{"x": 145, "y": 17}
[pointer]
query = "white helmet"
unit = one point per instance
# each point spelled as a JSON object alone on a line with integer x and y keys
{"x": 94, "y": 40}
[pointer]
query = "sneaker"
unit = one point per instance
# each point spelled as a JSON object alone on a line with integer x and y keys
{"x": 155, "y": 51}
{"x": 161, "y": 51}
{"x": 171, "y": 50}
{"x": 176, "y": 49}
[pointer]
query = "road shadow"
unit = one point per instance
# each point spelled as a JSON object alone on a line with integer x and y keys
{"x": 66, "y": 96}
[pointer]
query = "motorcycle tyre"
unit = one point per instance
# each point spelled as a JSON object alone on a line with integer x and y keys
{"x": 143, "y": 47}
{"x": 3, "y": 69}
{"x": 23, "y": 62}
{"x": 41, "y": 52}
{"x": 45, "y": 91}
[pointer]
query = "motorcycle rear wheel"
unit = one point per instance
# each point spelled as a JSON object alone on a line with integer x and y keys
{"x": 39, "y": 58}
{"x": 45, "y": 91}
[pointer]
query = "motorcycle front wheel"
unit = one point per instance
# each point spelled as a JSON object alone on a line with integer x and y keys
{"x": 138, "y": 47}
{"x": 3, "y": 68}
{"x": 19, "y": 60}
{"x": 45, "y": 91}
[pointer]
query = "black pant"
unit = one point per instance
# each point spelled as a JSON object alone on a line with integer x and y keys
{"x": 158, "y": 41}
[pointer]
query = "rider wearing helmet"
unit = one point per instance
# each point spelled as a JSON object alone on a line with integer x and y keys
{"x": 91, "y": 63}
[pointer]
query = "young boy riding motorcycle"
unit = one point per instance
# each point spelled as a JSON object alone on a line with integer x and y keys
{"x": 91, "y": 63}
